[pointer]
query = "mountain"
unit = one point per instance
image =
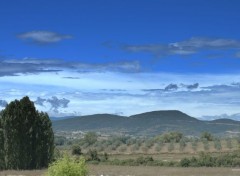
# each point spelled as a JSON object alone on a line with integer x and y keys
{"x": 222, "y": 116}
{"x": 165, "y": 115}
{"x": 60, "y": 118}
{"x": 146, "y": 124}
{"x": 225, "y": 121}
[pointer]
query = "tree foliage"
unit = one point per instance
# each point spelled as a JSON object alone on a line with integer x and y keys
{"x": 26, "y": 136}
{"x": 76, "y": 150}
{"x": 90, "y": 138}
{"x": 208, "y": 136}
{"x": 170, "y": 136}
{"x": 92, "y": 155}
{"x": 207, "y": 160}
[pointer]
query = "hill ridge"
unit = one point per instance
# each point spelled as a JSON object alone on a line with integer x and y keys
{"x": 144, "y": 124}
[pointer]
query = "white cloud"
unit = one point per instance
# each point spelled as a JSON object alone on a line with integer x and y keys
{"x": 207, "y": 43}
{"x": 43, "y": 37}
{"x": 187, "y": 47}
{"x": 237, "y": 54}
{"x": 111, "y": 92}
{"x": 14, "y": 67}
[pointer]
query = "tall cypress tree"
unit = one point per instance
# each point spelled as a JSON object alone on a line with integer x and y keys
{"x": 45, "y": 148}
{"x": 27, "y": 136}
{"x": 2, "y": 164}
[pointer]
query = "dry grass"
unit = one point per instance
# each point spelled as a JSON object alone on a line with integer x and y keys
{"x": 160, "y": 171}
{"x": 22, "y": 173}
{"x": 156, "y": 156}
{"x": 97, "y": 170}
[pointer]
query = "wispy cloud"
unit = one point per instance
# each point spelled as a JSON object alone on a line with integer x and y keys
{"x": 171, "y": 87}
{"x": 3, "y": 103}
{"x": 187, "y": 47}
{"x": 14, "y": 67}
{"x": 40, "y": 101}
{"x": 71, "y": 77}
{"x": 58, "y": 103}
{"x": 176, "y": 87}
{"x": 237, "y": 54}
{"x": 43, "y": 37}
{"x": 55, "y": 103}
{"x": 191, "y": 86}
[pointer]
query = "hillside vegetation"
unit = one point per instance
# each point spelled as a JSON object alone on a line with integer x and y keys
{"x": 147, "y": 124}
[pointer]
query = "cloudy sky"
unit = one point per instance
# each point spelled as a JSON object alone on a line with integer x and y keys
{"x": 123, "y": 57}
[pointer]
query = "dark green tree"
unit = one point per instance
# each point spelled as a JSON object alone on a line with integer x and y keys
{"x": 28, "y": 140}
{"x": 90, "y": 138}
{"x": 170, "y": 136}
{"x": 2, "y": 165}
{"x": 92, "y": 155}
{"x": 208, "y": 136}
{"x": 45, "y": 141}
{"x": 76, "y": 150}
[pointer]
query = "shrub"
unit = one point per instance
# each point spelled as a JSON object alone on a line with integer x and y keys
{"x": 130, "y": 141}
{"x": 182, "y": 144}
{"x": 105, "y": 157}
{"x": 171, "y": 146}
{"x": 238, "y": 139}
{"x": 170, "y": 136}
{"x": 217, "y": 144}
{"x": 76, "y": 150}
{"x": 123, "y": 149}
{"x": 229, "y": 143}
{"x": 194, "y": 144}
{"x": 90, "y": 138}
{"x": 92, "y": 155}
{"x": 57, "y": 154}
{"x": 144, "y": 160}
{"x": 100, "y": 148}
{"x": 205, "y": 144}
{"x": 158, "y": 148}
{"x": 185, "y": 162}
{"x": 67, "y": 166}
{"x": 144, "y": 149}
{"x": 207, "y": 136}
{"x": 206, "y": 160}
{"x": 60, "y": 140}
{"x": 113, "y": 147}
{"x": 149, "y": 143}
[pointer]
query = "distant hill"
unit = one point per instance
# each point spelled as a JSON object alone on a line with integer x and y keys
{"x": 231, "y": 121}
{"x": 146, "y": 124}
{"x": 165, "y": 115}
{"x": 60, "y": 118}
{"x": 222, "y": 116}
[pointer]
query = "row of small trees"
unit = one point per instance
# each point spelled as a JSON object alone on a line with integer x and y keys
{"x": 26, "y": 136}
{"x": 171, "y": 141}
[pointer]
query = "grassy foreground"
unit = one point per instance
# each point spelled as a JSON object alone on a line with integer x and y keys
{"x": 96, "y": 170}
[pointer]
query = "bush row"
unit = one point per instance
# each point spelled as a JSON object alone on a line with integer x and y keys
{"x": 203, "y": 160}
{"x": 206, "y": 160}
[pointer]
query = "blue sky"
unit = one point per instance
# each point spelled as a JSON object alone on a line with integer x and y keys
{"x": 123, "y": 57}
